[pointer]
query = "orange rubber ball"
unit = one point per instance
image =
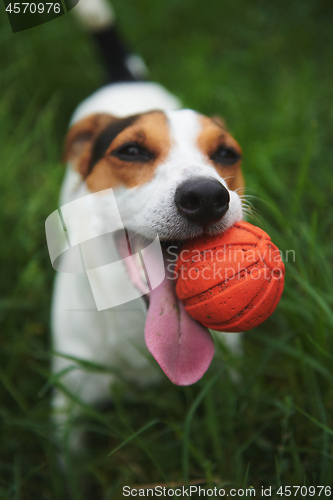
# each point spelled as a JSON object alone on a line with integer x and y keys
{"x": 231, "y": 282}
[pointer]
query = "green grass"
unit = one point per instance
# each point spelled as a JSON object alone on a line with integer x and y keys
{"x": 267, "y": 68}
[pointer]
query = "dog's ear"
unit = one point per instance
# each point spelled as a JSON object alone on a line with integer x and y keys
{"x": 80, "y": 139}
{"x": 219, "y": 121}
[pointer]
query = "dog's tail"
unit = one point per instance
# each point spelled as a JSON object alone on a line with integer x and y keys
{"x": 98, "y": 18}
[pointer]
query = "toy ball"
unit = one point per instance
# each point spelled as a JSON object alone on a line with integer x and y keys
{"x": 230, "y": 282}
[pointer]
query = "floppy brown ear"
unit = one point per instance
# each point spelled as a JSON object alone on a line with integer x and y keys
{"x": 80, "y": 139}
{"x": 219, "y": 121}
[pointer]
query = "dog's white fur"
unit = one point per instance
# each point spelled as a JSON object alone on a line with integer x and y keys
{"x": 114, "y": 338}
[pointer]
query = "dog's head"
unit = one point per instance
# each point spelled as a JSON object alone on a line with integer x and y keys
{"x": 177, "y": 174}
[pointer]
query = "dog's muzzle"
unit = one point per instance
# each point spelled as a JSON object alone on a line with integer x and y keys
{"x": 202, "y": 200}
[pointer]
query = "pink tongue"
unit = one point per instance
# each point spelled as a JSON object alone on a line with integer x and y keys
{"x": 181, "y": 346}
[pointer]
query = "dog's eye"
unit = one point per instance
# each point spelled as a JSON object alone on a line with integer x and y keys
{"x": 132, "y": 151}
{"x": 226, "y": 156}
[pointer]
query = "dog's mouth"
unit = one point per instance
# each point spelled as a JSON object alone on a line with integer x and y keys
{"x": 181, "y": 346}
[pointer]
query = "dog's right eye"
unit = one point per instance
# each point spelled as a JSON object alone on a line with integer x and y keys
{"x": 132, "y": 151}
{"x": 226, "y": 156}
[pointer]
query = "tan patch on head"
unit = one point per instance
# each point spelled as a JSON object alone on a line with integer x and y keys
{"x": 149, "y": 131}
{"x": 80, "y": 138}
{"x": 212, "y": 137}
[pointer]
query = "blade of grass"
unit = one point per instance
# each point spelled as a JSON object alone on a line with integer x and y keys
{"x": 188, "y": 422}
{"x": 134, "y": 436}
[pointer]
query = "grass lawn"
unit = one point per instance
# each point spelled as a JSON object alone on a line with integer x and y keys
{"x": 267, "y": 68}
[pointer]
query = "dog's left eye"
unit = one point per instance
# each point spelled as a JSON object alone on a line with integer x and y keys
{"x": 226, "y": 155}
{"x": 132, "y": 151}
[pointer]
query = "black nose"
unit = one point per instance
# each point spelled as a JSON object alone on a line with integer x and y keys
{"x": 202, "y": 200}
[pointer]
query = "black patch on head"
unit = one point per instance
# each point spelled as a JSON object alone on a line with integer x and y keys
{"x": 106, "y": 137}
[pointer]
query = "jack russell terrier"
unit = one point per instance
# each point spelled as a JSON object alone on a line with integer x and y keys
{"x": 166, "y": 171}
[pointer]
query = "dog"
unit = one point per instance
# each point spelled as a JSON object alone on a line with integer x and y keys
{"x": 133, "y": 154}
